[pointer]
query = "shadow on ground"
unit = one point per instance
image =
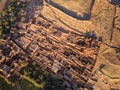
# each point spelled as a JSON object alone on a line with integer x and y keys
{"x": 115, "y": 2}
{"x": 86, "y": 16}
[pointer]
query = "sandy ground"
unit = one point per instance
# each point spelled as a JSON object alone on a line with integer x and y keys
{"x": 102, "y": 23}
{"x": 61, "y": 19}
{"x": 99, "y": 23}
{"x": 81, "y": 6}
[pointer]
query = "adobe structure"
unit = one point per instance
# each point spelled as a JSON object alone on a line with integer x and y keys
{"x": 67, "y": 53}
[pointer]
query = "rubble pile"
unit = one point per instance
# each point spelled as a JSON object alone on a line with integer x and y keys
{"x": 67, "y": 54}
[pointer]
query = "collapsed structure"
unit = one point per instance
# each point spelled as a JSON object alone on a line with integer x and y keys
{"x": 67, "y": 54}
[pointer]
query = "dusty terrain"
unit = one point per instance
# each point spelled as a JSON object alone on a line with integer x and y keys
{"x": 105, "y": 22}
{"x": 73, "y": 7}
{"x": 55, "y": 38}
